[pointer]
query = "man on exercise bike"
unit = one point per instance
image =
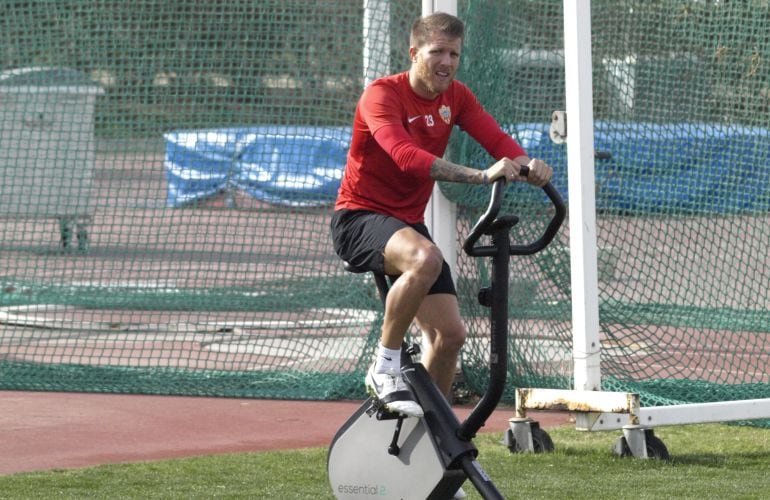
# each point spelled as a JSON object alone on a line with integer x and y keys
{"x": 400, "y": 132}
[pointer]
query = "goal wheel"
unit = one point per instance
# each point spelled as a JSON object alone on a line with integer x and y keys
{"x": 541, "y": 441}
{"x": 654, "y": 445}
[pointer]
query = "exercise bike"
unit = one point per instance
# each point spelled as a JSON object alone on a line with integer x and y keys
{"x": 380, "y": 454}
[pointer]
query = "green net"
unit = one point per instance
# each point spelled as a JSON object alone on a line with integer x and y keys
{"x": 168, "y": 170}
{"x": 682, "y": 192}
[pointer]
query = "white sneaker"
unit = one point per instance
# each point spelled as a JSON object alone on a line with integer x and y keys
{"x": 460, "y": 494}
{"x": 393, "y": 393}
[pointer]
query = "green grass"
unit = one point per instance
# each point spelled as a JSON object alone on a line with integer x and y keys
{"x": 708, "y": 461}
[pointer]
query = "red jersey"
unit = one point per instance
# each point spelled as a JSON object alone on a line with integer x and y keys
{"x": 396, "y": 137}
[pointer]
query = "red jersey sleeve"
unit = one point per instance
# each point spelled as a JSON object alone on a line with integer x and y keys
{"x": 480, "y": 125}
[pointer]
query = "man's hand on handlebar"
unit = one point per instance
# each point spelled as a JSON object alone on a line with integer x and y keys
{"x": 537, "y": 173}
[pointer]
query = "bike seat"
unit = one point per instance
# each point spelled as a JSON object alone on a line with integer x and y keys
{"x": 379, "y": 279}
{"x": 353, "y": 269}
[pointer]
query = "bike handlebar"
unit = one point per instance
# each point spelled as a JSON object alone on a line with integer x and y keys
{"x": 496, "y": 296}
{"x": 486, "y": 220}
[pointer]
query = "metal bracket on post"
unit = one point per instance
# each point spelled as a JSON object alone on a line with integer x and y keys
{"x": 636, "y": 440}
{"x": 520, "y": 436}
{"x": 558, "y": 130}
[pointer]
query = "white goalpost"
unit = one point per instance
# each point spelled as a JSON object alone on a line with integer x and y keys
{"x": 598, "y": 410}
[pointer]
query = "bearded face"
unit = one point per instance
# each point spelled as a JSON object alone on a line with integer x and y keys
{"x": 434, "y": 65}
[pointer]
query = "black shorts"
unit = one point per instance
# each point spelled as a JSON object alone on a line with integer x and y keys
{"x": 360, "y": 237}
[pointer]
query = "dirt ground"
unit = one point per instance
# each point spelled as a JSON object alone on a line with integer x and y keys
{"x": 44, "y": 431}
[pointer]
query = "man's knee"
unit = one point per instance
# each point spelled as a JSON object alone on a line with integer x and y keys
{"x": 427, "y": 261}
{"x": 409, "y": 252}
{"x": 451, "y": 339}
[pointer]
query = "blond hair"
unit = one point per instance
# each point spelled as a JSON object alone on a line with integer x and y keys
{"x": 425, "y": 27}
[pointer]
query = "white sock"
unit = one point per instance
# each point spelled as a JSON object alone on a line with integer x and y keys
{"x": 388, "y": 360}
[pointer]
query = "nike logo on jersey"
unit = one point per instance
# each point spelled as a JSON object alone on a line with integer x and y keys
{"x": 428, "y": 119}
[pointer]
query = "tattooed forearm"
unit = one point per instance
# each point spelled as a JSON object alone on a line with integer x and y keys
{"x": 443, "y": 170}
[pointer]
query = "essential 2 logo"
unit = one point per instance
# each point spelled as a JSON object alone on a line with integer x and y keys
{"x": 361, "y": 489}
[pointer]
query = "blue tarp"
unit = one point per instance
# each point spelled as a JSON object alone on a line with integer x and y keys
{"x": 668, "y": 168}
{"x": 653, "y": 168}
{"x": 286, "y": 165}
